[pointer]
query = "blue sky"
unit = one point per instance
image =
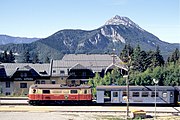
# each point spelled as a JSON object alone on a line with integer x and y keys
{"x": 41, "y": 18}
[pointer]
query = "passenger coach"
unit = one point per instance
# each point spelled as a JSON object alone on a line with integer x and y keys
{"x": 178, "y": 94}
{"x": 57, "y": 94}
{"x": 137, "y": 94}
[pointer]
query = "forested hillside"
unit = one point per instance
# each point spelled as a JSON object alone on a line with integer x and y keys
{"x": 143, "y": 68}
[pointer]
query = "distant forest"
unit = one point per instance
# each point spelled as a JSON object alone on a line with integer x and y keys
{"x": 9, "y": 57}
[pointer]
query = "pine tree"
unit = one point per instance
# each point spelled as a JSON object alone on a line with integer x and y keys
{"x": 5, "y": 57}
{"x": 11, "y": 57}
{"x": 157, "y": 59}
{"x": 47, "y": 60}
{"x": 175, "y": 57}
{"x": 27, "y": 57}
{"x": 126, "y": 53}
{"x": 137, "y": 59}
{"x": 35, "y": 58}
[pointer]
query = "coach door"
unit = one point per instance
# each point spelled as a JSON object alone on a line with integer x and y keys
{"x": 115, "y": 97}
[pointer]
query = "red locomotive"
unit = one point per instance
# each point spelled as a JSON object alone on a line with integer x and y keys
{"x": 57, "y": 94}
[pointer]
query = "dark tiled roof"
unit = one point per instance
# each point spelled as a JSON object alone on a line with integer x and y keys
{"x": 95, "y": 62}
{"x": 11, "y": 68}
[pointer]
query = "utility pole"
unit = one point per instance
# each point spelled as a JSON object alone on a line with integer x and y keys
{"x": 156, "y": 82}
{"x": 128, "y": 64}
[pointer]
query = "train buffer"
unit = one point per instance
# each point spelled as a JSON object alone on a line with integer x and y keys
{"x": 138, "y": 114}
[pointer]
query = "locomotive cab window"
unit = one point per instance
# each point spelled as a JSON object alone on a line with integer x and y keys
{"x": 135, "y": 94}
{"x": 73, "y": 91}
{"x": 85, "y": 91}
{"x": 46, "y": 91}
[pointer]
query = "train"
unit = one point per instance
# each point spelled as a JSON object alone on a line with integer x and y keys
{"x": 42, "y": 94}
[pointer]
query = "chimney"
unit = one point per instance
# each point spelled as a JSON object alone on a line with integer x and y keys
{"x": 50, "y": 69}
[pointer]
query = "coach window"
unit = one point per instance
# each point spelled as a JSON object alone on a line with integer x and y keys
{"x": 171, "y": 94}
{"x": 8, "y": 84}
{"x": 153, "y": 94}
{"x": 164, "y": 94}
{"x": 124, "y": 93}
{"x": 73, "y": 91}
{"x": 46, "y": 91}
{"x": 23, "y": 85}
{"x": 135, "y": 94}
{"x": 115, "y": 94}
{"x": 145, "y": 94}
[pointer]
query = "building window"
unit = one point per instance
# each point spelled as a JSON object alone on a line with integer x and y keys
{"x": 62, "y": 72}
{"x": 115, "y": 94}
{"x": 145, "y": 94}
{"x": 54, "y": 71}
{"x": 84, "y": 74}
{"x": 135, "y": 94}
{"x": 8, "y": 93}
{"x": 37, "y": 82}
{"x": 61, "y": 78}
{"x": 23, "y": 85}
{"x": 53, "y": 81}
{"x": 73, "y": 82}
{"x": 23, "y": 75}
{"x": 43, "y": 82}
{"x": 72, "y": 74}
{"x": 8, "y": 85}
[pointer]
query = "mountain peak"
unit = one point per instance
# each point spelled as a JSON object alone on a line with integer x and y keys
{"x": 118, "y": 20}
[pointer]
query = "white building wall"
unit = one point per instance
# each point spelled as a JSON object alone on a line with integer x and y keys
{"x": 5, "y": 90}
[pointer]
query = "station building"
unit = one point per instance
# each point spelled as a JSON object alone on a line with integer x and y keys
{"x": 15, "y": 78}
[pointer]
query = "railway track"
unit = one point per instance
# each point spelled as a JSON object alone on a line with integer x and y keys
{"x": 9, "y": 104}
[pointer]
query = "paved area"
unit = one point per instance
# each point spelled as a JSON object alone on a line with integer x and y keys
{"x": 86, "y": 112}
{"x": 120, "y": 109}
{"x": 71, "y": 116}
{"x": 27, "y": 108}
{"x": 24, "y": 102}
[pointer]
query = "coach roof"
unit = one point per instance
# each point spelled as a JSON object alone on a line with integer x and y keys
{"x": 134, "y": 88}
